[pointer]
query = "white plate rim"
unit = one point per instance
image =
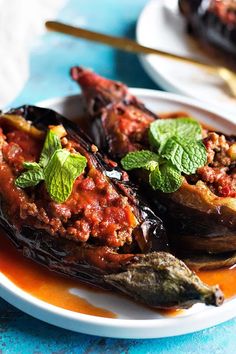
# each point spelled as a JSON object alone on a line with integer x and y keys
{"x": 156, "y": 75}
{"x": 120, "y": 328}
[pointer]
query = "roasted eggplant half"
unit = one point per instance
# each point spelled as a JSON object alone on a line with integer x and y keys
{"x": 99, "y": 231}
{"x": 201, "y": 215}
{"x": 213, "y": 22}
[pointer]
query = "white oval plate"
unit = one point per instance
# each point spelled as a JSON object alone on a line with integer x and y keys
{"x": 161, "y": 26}
{"x": 134, "y": 320}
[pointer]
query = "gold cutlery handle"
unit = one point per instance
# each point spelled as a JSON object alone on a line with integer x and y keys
{"x": 129, "y": 45}
{"x": 117, "y": 42}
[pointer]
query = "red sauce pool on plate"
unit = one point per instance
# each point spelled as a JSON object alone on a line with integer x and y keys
{"x": 225, "y": 278}
{"x": 43, "y": 284}
{"x": 54, "y": 289}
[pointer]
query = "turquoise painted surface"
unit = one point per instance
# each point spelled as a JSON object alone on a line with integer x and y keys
{"x": 20, "y": 333}
{"x": 54, "y": 54}
{"x": 51, "y": 58}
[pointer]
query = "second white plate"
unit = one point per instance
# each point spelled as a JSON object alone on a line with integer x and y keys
{"x": 161, "y": 26}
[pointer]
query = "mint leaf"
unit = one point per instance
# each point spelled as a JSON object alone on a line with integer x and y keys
{"x": 163, "y": 129}
{"x": 30, "y": 178}
{"x": 57, "y": 167}
{"x": 61, "y": 172}
{"x": 185, "y": 155}
{"x": 140, "y": 159}
{"x": 51, "y": 144}
{"x": 180, "y": 149}
{"x": 31, "y": 165}
{"x": 166, "y": 178}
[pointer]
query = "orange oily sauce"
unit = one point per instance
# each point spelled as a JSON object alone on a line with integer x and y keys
{"x": 224, "y": 277}
{"x": 43, "y": 284}
{"x": 55, "y": 289}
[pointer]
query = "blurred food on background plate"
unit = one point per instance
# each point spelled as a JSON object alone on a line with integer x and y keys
{"x": 212, "y": 22}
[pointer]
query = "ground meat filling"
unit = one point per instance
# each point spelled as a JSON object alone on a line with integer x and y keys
{"x": 225, "y": 10}
{"x": 220, "y": 171}
{"x": 95, "y": 211}
{"x": 126, "y": 128}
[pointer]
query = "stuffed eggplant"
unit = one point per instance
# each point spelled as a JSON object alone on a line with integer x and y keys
{"x": 212, "y": 21}
{"x": 67, "y": 207}
{"x": 201, "y": 214}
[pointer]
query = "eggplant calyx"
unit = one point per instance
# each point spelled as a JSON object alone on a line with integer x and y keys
{"x": 159, "y": 279}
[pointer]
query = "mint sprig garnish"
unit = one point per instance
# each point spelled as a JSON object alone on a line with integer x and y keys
{"x": 140, "y": 159}
{"x": 163, "y": 129}
{"x": 165, "y": 178}
{"x": 60, "y": 173}
{"x": 31, "y": 165}
{"x": 185, "y": 155}
{"x": 51, "y": 144}
{"x": 30, "y": 178}
{"x": 177, "y": 149}
{"x": 57, "y": 167}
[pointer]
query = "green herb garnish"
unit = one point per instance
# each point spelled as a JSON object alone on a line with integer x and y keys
{"x": 57, "y": 167}
{"x": 165, "y": 178}
{"x": 30, "y": 178}
{"x": 60, "y": 173}
{"x": 163, "y": 129}
{"x": 51, "y": 144}
{"x": 185, "y": 155}
{"x": 177, "y": 149}
{"x": 145, "y": 159}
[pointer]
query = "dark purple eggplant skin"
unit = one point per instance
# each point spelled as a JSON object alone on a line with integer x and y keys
{"x": 156, "y": 279}
{"x": 212, "y": 228}
{"x": 207, "y": 26}
{"x": 54, "y": 252}
{"x": 151, "y": 227}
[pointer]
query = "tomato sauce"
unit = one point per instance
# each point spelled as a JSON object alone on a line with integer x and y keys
{"x": 224, "y": 277}
{"x": 18, "y": 147}
{"x": 96, "y": 208}
{"x": 105, "y": 214}
{"x": 43, "y": 284}
{"x": 55, "y": 289}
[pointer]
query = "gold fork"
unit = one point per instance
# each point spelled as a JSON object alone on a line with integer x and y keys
{"x": 227, "y": 75}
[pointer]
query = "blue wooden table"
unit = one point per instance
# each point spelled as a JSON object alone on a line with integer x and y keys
{"x": 51, "y": 58}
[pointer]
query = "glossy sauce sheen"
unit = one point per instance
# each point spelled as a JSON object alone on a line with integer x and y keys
{"x": 54, "y": 289}
{"x": 224, "y": 277}
{"x": 43, "y": 284}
